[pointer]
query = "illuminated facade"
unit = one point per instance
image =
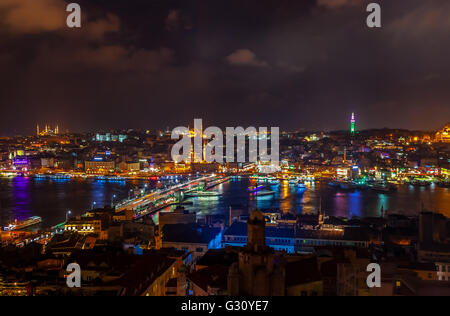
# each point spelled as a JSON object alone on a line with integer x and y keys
{"x": 99, "y": 165}
{"x": 108, "y": 137}
{"x": 84, "y": 226}
{"x": 47, "y": 131}
{"x": 444, "y": 134}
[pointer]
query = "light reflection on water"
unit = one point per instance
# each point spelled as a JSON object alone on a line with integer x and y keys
{"x": 288, "y": 198}
{"x": 24, "y": 197}
{"x": 50, "y": 199}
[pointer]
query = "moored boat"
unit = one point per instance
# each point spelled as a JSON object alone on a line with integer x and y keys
{"x": 384, "y": 188}
{"x": 264, "y": 193}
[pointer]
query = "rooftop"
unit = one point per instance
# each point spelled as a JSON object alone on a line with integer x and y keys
{"x": 189, "y": 233}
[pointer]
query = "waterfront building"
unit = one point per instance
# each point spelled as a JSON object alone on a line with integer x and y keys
{"x": 99, "y": 164}
{"x": 27, "y": 163}
{"x": 130, "y": 166}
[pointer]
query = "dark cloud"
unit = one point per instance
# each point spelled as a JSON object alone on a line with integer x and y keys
{"x": 334, "y": 4}
{"x": 33, "y": 16}
{"x": 288, "y": 63}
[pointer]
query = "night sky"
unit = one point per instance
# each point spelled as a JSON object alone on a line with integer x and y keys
{"x": 151, "y": 64}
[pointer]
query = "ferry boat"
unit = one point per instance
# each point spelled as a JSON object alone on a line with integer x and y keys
{"x": 346, "y": 186}
{"x": 255, "y": 188}
{"x": 301, "y": 185}
{"x": 31, "y": 221}
{"x": 419, "y": 183}
{"x": 360, "y": 185}
{"x": 443, "y": 184}
{"x": 203, "y": 194}
{"x": 264, "y": 193}
{"x": 116, "y": 179}
{"x": 384, "y": 188}
{"x": 58, "y": 176}
{"x": 342, "y": 185}
{"x": 334, "y": 184}
{"x": 262, "y": 179}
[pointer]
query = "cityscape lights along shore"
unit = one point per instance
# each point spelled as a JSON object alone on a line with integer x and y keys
{"x": 157, "y": 223}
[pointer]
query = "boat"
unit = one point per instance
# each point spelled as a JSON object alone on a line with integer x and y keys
{"x": 443, "y": 184}
{"x": 334, "y": 184}
{"x": 31, "y": 221}
{"x": 383, "y": 188}
{"x": 203, "y": 194}
{"x": 255, "y": 188}
{"x": 261, "y": 179}
{"x": 61, "y": 176}
{"x": 360, "y": 185}
{"x": 419, "y": 183}
{"x": 346, "y": 186}
{"x": 264, "y": 193}
{"x": 116, "y": 179}
{"x": 301, "y": 185}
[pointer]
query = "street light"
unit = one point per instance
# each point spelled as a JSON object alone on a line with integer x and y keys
{"x": 93, "y": 205}
{"x": 67, "y": 215}
{"x": 112, "y": 200}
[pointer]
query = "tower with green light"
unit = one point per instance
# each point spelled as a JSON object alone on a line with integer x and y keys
{"x": 353, "y": 124}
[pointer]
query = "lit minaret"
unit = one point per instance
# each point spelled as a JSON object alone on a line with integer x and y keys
{"x": 353, "y": 124}
{"x": 37, "y": 130}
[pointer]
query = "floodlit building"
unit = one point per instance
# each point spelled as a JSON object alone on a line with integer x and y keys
{"x": 444, "y": 134}
{"x": 443, "y": 271}
{"x": 99, "y": 165}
